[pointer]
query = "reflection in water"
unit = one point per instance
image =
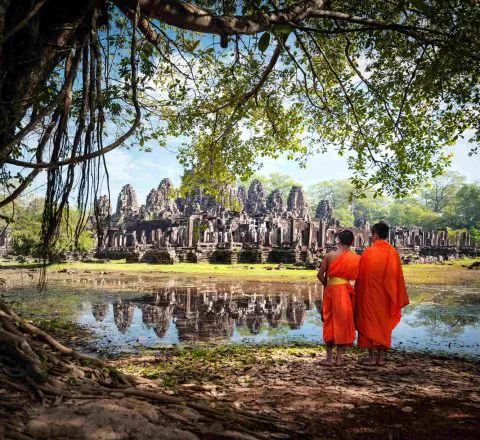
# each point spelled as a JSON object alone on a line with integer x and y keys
{"x": 123, "y": 315}
{"x": 260, "y": 312}
{"x": 204, "y": 314}
{"x": 99, "y": 311}
{"x": 442, "y": 321}
{"x": 158, "y": 317}
{"x": 295, "y": 314}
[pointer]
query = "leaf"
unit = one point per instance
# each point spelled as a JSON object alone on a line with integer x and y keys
{"x": 195, "y": 45}
{"x": 282, "y": 29}
{"x": 264, "y": 42}
{"x": 421, "y": 5}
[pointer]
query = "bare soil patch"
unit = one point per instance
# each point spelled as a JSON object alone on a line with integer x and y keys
{"x": 414, "y": 396}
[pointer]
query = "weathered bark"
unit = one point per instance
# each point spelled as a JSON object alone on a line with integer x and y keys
{"x": 192, "y": 17}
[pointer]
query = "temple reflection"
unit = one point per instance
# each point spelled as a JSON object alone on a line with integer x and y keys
{"x": 99, "y": 311}
{"x": 206, "y": 313}
{"x": 123, "y": 315}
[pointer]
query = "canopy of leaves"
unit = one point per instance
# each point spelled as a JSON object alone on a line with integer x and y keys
{"x": 386, "y": 84}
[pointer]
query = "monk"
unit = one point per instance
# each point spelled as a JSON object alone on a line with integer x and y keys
{"x": 380, "y": 296}
{"x": 337, "y": 269}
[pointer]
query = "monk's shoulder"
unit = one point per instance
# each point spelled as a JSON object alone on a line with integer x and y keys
{"x": 397, "y": 254}
{"x": 368, "y": 251}
{"x": 331, "y": 256}
{"x": 354, "y": 256}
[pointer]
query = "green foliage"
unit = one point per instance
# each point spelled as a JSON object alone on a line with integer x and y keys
{"x": 345, "y": 215}
{"x": 465, "y": 212}
{"x": 26, "y": 230}
{"x": 371, "y": 208}
{"x": 441, "y": 192}
{"x": 389, "y": 103}
{"x": 198, "y": 230}
{"x": 446, "y": 202}
{"x": 474, "y": 236}
{"x": 264, "y": 41}
{"x": 411, "y": 211}
{"x": 339, "y": 193}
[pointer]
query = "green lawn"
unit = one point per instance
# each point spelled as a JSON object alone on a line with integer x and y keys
{"x": 264, "y": 272}
{"x": 452, "y": 272}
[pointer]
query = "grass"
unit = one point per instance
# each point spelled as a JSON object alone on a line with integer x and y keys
{"x": 452, "y": 273}
{"x": 211, "y": 363}
{"x": 447, "y": 273}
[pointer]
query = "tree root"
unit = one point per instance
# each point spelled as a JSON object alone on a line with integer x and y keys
{"x": 55, "y": 372}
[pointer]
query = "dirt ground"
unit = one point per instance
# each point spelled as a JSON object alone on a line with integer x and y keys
{"x": 412, "y": 397}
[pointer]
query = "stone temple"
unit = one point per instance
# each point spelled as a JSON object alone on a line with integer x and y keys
{"x": 243, "y": 226}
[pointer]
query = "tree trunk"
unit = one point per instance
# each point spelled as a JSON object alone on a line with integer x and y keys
{"x": 30, "y": 55}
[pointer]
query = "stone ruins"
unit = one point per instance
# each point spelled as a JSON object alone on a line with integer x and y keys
{"x": 5, "y": 241}
{"x": 244, "y": 226}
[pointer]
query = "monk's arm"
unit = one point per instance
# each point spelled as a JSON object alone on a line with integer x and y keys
{"x": 322, "y": 272}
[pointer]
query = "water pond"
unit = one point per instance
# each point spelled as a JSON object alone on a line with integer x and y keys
{"x": 126, "y": 315}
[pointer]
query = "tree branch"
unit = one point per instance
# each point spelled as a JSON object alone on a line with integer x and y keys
{"x": 243, "y": 99}
{"x": 20, "y": 188}
{"x": 195, "y": 18}
{"x": 24, "y": 22}
{"x": 192, "y": 17}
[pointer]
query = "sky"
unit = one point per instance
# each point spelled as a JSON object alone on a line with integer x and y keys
{"x": 145, "y": 170}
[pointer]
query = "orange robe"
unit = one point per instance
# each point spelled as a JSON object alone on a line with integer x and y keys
{"x": 338, "y": 326}
{"x": 380, "y": 295}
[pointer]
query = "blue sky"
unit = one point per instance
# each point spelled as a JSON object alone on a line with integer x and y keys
{"x": 145, "y": 170}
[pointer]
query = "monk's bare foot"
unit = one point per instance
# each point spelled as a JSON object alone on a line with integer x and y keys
{"x": 381, "y": 358}
{"x": 368, "y": 361}
{"x": 326, "y": 362}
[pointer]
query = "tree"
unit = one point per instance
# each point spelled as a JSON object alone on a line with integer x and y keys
{"x": 442, "y": 191}
{"x": 26, "y": 231}
{"x": 411, "y": 212}
{"x": 338, "y": 193}
{"x": 370, "y": 209}
{"x": 465, "y": 213}
{"x": 346, "y": 207}
{"x": 388, "y": 84}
